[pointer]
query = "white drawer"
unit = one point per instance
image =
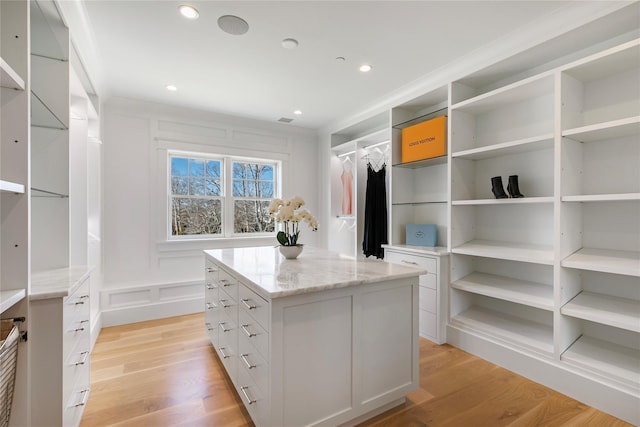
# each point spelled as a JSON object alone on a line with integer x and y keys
{"x": 428, "y": 325}
{"x": 428, "y": 280}
{"x": 77, "y": 305}
{"x": 228, "y": 305}
{"x": 428, "y": 300}
{"x": 256, "y": 402}
{"x": 76, "y": 331}
{"x": 227, "y": 344}
{"x": 255, "y": 305}
{"x": 76, "y": 371}
{"x": 428, "y": 263}
{"x": 255, "y": 334}
{"x": 253, "y": 363}
{"x": 228, "y": 284}
{"x": 74, "y": 407}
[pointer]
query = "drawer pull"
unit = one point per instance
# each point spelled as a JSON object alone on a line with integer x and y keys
{"x": 225, "y": 282}
{"x": 246, "y": 361}
{"x": 224, "y": 303}
{"x": 223, "y": 327}
{"x": 80, "y": 326}
{"x": 224, "y": 355}
{"x": 245, "y": 301}
{"x": 409, "y": 262}
{"x": 246, "y": 331}
{"x": 83, "y": 358}
{"x": 244, "y": 389}
{"x": 85, "y": 397}
{"x": 210, "y": 287}
{"x": 211, "y": 270}
{"x": 211, "y": 306}
{"x": 208, "y": 326}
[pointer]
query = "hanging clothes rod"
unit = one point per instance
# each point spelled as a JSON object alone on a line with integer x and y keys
{"x": 346, "y": 154}
{"x": 375, "y": 145}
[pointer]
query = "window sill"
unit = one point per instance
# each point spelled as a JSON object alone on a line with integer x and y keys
{"x": 194, "y": 247}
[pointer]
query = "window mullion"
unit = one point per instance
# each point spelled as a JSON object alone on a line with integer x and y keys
{"x": 228, "y": 197}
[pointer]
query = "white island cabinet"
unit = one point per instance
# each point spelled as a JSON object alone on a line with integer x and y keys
{"x": 321, "y": 340}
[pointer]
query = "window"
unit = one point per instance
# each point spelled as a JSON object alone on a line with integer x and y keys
{"x": 214, "y": 196}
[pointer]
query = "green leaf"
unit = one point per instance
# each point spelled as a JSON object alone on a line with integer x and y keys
{"x": 282, "y": 238}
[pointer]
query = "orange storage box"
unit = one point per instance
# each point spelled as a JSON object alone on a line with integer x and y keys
{"x": 425, "y": 140}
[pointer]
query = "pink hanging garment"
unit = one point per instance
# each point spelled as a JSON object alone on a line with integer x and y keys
{"x": 347, "y": 191}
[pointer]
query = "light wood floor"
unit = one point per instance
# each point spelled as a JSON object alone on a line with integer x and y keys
{"x": 165, "y": 373}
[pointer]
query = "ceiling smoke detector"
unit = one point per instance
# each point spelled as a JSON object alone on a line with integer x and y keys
{"x": 285, "y": 120}
{"x": 289, "y": 43}
{"x": 234, "y": 25}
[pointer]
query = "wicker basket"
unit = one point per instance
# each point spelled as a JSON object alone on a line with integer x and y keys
{"x": 9, "y": 338}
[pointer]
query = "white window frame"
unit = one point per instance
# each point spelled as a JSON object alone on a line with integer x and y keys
{"x": 227, "y": 198}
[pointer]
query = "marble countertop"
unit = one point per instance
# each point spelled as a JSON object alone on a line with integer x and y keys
{"x": 57, "y": 283}
{"x": 314, "y": 270}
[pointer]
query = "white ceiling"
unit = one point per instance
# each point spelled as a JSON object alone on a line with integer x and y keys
{"x": 136, "y": 48}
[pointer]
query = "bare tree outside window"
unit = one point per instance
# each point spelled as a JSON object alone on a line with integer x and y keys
{"x": 199, "y": 193}
{"x": 253, "y": 190}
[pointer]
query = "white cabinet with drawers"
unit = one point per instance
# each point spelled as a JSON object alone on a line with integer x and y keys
{"x": 433, "y": 301}
{"x": 60, "y": 346}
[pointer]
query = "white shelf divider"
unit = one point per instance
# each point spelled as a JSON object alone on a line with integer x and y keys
{"x": 623, "y": 197}
{"x": 11, "y": 187}
{"x": 9, "y": 78}
{"x": 613, "y": 311}
{"x": 539, "y": 142}
{"x": 605, "y": 261}
{"x": 9, "y": 298}
{"x": 611, "y": 361}
{"x": 523, "y": 200}
{"x": 508, "y": 289}
{"x": 511, "y": 329}
{"x": 608, "y": 130}
{"x": 537, "y": 254}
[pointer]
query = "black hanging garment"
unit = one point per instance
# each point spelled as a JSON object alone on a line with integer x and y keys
{"x": 375, "y": 212}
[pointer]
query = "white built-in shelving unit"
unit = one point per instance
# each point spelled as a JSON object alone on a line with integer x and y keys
{"x": 555, "y": 275}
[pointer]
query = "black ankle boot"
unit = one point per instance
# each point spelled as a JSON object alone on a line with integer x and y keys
{"x": 497, "y": 189}
{"x": 512, "y": 187}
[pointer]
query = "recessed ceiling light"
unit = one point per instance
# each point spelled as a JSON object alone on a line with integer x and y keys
{"x": 297, "y": 112}
{"x": 340, "y": 58}
{"x": 172, "y": 88}
{"x": 233, "y": 25}
{"x": 365, "y": 68}
{"x": 188, "y": 11}
{"x": 289, "y": 43}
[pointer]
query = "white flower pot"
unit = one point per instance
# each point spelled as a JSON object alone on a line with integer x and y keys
{"x": 291, "y": 252}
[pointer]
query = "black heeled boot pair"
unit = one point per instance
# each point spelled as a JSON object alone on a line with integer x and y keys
{"x": 512, "y": 187}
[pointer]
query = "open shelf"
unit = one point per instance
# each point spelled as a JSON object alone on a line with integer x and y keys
{"x": 9, "y": 298}
{"x": 534, "y": 143}
{"x": 608, "y": 130}
{"x": 605, "y": 260}
{"x": 523, "y": 200}
{"x": 11, "y": 187}
{"x": 512, "y": 330}
{"x": 42, "y": 116}
{"x": 9, "y": 78}
{"x": 611, "y": 361}
{"x": 505, "y": 288}
{"x": 511, "y": 94}
{"x": 423, "y": 163}
{"x": 537, "y": 254}
{"x": 613, "y": 311}
{"x": 603, "y": 198}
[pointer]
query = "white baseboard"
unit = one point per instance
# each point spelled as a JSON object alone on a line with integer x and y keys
{"x": 551, "y": 373}
{"x": 149, "y": 302}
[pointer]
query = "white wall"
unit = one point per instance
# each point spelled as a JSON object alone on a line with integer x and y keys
{"x": 145, "y": 276}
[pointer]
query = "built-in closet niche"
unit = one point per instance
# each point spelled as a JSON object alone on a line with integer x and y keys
{"x": 50, "y": 118}
{"x": 600, "y": 206}
{"x": 419, "y": 190}
{"x": 353, "y": 148}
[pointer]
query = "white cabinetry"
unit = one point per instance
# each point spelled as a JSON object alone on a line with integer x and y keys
{"x": 60, "y": 346}
{"x": 433, "y": 300}
{"x": 599, "y": 322}
{"x": 553, "y": 276}
{"x": 356, "y": 345}
{"x": 14, "y": 184}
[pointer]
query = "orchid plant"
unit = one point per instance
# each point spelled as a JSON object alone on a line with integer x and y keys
{"x": 290, "y": 214}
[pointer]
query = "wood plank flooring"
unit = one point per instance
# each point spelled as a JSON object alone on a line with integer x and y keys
{"x": 165, "y": 373}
